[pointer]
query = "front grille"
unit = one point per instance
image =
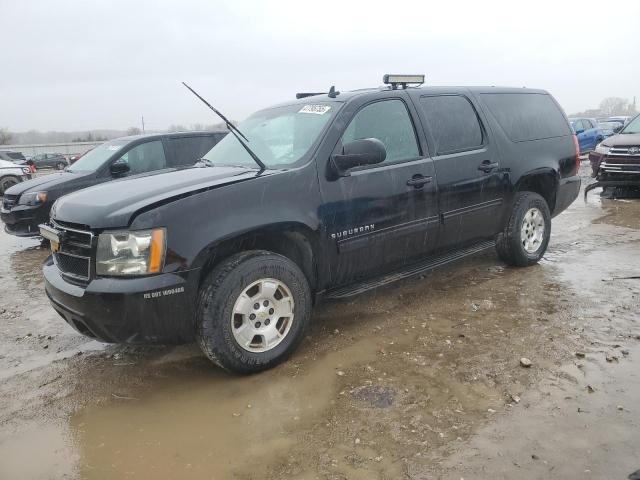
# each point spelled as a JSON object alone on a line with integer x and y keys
{"x": 71, "y": 265}
{"x": 73, "y": 259}
{"x": 630, "y": 151}
{"x": 9, "y": 201}
{"x": 625, "y": 167}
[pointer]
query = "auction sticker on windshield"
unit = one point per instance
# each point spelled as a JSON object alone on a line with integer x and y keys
{"x": 317, "y": 109}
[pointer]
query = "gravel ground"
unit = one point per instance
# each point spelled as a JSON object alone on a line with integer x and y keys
{"x": 419, "y": 380}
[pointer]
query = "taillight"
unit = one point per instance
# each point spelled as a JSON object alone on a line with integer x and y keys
{"x": 577, "y": 145}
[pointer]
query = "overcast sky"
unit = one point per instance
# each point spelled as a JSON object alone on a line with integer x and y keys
{"x": 71, "y": 65}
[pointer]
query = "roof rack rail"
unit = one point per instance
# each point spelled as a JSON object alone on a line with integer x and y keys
{"x": 332, "y": 93}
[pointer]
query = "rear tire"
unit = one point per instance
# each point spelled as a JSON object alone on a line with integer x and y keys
{"x": 61, "y": 166}
{"x": 7, "y": 182}
{"x": 234, "y": 333}
{"x": 526, "y": 235}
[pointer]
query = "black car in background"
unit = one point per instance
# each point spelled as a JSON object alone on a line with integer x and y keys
{"x": 28, "y": 204}
{"x": 49, "y": 160}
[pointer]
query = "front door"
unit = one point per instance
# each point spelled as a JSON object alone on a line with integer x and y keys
{"x": 470, "y": 181}
{"x": 385, "y": 214}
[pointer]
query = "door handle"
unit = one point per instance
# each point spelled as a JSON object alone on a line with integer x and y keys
{"x": 418, "y": 181}
{"x": 487, "y": 166}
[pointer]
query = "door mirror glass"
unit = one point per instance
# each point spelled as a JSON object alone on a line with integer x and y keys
{"x": 366, "y": 151}
{"x": 579, "y": 131}
{"x": 119, "y": 168}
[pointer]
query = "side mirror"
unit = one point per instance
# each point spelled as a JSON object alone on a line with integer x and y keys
{"x": 367, "y": 151}
{"x": 579, "y": 131}
{"x": 618, "y": 128}
{"x": 118, "y": 169}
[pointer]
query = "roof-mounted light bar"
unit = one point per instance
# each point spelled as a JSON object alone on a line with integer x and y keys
{"x": 402, "y": 80}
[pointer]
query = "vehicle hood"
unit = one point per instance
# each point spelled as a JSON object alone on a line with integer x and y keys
{"x": 44, "y": 182}
{"x": 623, "y": 140}
{"x": 115, "y": 204}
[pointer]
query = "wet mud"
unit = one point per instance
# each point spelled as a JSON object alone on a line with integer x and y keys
{"x": 422, "y": 379}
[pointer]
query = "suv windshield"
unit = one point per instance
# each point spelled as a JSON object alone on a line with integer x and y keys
{"x": 94, "y": 159}
{"x": 279, "y": 136}
{"x": 633, "y": 126}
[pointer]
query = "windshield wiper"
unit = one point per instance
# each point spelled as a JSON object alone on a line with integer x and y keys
{"x": 232, "y": 128}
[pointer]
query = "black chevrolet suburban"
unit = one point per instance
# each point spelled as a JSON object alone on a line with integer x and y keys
{"x": 322, "y": 197}
{"x": 26, "y": 205}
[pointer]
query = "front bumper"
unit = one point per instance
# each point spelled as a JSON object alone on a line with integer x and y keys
{"x": 159, "y": 309}
{"x": 23, "y": 220}
{"x": 568, "y": 191}
{"x": 615, "y": 167}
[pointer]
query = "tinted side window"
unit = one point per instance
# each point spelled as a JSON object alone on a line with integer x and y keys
{"x": 453, "y": 122}
{"x": 187, "y": 150}
{"x": 588, "y": 124}
{"x": 145, "y": 157}
{"x": 527, "y": 116}
{"x": 389, "y": 122}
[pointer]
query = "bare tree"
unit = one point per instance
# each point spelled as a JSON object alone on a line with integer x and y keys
{"x": 614, "y": 106}
{"x": 5, "y": 136}
{"x": 133, "y": 131}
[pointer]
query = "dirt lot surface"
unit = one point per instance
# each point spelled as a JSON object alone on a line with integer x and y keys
{"x": 418, "y": 380}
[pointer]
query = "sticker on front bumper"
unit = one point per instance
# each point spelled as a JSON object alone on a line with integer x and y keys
{"x": 163, "y": 293}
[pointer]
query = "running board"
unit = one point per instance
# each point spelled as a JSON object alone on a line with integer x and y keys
{"x": 409, "y": 271}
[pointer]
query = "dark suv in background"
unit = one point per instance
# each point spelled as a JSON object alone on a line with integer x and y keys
{"x": 616, "y": 161}
{"x": 329, "y": 195}
{"x": 27, "y": 204}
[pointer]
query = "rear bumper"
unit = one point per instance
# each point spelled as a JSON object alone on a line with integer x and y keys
{"x": 23, "y": 220}
{"x": 150, "y": 310}
{"x": 568, "y": 191}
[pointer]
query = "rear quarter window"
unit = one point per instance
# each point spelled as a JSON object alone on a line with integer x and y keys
{"x": 188, "y": 150}
{"x": 527, "y": 116}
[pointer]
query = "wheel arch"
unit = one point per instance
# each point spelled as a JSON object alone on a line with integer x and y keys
{"x": 295, "y": 241}
{"x": 544, "y": 182}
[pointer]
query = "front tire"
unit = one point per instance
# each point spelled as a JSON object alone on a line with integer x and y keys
{"x": 526, "y": 236}
{"x": 252, "y": 311}
{"x": 60, "y": 166}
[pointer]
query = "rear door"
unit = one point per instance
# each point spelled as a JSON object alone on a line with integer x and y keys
{"x": 471, "y": 183}
{"x": 385, "y": 214}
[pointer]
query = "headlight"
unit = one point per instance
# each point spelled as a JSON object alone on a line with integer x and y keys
{"x": 33, "y": 198}
{"x": 124, "y": 253}
{"x": 602, "y": 149}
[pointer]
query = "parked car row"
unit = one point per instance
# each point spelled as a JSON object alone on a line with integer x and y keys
{"x": 324, "y": 196}
{"x": 42, "y": 160}
{"x": 590, "y": 132}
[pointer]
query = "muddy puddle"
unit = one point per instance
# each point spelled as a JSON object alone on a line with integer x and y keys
{"x": 421, "y": 379}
